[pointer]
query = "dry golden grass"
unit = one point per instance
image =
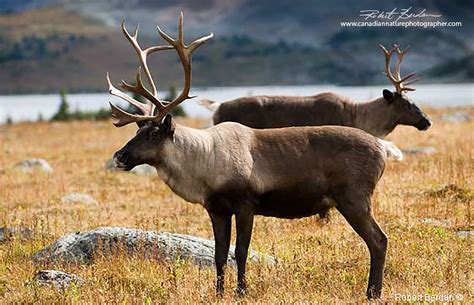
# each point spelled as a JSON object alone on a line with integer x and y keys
{"x": 318, "y": 261}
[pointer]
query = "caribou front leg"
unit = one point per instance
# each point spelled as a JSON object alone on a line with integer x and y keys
{"x": 221, "y": 225}
{"x": 244, "y": 224}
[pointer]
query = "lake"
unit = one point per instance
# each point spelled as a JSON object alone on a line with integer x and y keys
{"x": 29, "y": 107}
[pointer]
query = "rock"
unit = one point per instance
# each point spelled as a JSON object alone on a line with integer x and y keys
{"x": 58, "y": 279}
{"x": 78, "y": 198}
{"x": 435, "y": 222}
{"x": 455, "y": 117}
{"x": 15, "y": 232}
{"x": 28, "y": 166}
{"x": 145, "y": 170}
{"x": 141, "y": 170}
{"x": 465, "y": 233}
{"x": 82, "y": 247}
{"x": 428, "y": 150}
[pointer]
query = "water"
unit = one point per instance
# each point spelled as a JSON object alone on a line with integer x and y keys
{"x": 29, "y": 107}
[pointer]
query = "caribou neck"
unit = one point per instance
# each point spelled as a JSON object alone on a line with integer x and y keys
{"x": 185, "y": 161}
{"x": 374, "y": 117}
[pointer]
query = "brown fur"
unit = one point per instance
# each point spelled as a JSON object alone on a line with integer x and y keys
{"x": 294, "y": 172}
{"x": 378, "y": 117}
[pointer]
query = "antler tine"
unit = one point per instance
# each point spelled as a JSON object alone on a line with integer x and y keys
{"x": 148, "y": 109}
{"x": 403, "y": 80}
{"x": 400, "y": 55}
{"x": 398, "y": 81}
{"x": 411, "y": 82}
{"x": 388, "y": 72}
{"x": 122, "y": 117}
{"x": 142, "y": 56}
{"x": 143, "y": 53}
{"x": 138, "y": 88}
{"x": 185, "y": 55}
{"x": 144, "y": 108}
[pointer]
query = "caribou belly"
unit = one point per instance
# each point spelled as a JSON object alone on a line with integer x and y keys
{"x": 296, "y": 201}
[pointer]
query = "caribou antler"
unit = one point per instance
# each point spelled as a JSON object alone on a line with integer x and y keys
{"x": 398, "y": 81}
{"x": 185, "y": 55}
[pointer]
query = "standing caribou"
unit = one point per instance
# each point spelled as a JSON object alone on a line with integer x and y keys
{"x": 378, "y": 117}
{"x": 231, "y": 169}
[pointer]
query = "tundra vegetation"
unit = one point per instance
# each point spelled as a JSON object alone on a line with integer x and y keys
{"x": 306, "y": 273}
{"x": 319, "y": 261}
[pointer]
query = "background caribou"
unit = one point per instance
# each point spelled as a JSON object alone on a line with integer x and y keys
{"x": 378, "y": 117}
{"x": 231, "y": 169}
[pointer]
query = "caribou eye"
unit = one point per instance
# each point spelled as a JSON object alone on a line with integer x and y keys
{"x": 154, "y": 133}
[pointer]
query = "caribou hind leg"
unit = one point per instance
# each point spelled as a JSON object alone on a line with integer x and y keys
{"x": 221, "y": 225}
{"x": 357, "y": 213}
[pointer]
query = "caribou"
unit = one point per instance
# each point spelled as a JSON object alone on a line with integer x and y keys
{"x": 231, "y": 169}
{"x": 378, "y": 117}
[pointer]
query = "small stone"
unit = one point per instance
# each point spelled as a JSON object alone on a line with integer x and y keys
{"x": 28, "y": 166}
{"x": 435, "y": 222}
{"x": 465, "y": 233}
{"x": 78, "y": 198}
{"x": 58, "y": 279}
{"x": 427, "y": 150}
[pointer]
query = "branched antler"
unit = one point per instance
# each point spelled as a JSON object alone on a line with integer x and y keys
{"x": 398, "y": 81}
{"x": 185, "y": 55}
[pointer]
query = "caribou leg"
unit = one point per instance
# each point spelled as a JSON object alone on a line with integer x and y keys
{"x": 357, "y": 213}
{"x": 244, "y": 224}
{"x": 221, "y": 225}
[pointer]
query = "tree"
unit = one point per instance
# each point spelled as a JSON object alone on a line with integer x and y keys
{"x": 63, "y": 113}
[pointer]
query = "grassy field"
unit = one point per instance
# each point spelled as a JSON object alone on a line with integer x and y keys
{"x": 319, "y": 261}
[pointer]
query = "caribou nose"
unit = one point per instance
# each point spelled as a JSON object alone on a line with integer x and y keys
{"x": 424, "y": 124}
{"x": 119, "y": 158}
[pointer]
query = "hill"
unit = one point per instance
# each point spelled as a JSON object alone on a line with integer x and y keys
{"x": 50, "y": 44}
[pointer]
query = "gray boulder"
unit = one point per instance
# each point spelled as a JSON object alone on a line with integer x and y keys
{"x": 7, "y": 233}
{"x": 28, "y": 166}
{"x": 82, "y": 247}
{"x": 58, "y": 279}
{"x": 78, "y": 198}
{"x": 144, "y": 170}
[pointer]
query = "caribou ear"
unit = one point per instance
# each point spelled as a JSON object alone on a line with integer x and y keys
{"x": 388, "y": 95}
{"x": 168, "y": 124}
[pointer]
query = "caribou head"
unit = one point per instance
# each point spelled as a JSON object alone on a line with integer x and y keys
{"x": 155, "y": 123}
{"x": 406, "y": 112}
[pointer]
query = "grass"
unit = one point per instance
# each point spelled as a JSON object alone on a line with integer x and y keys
{"x": 318, "y": 261}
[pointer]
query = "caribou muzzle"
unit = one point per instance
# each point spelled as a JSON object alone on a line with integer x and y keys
{"x": 122, "y": 161}
{"x": 424, "y": 124}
